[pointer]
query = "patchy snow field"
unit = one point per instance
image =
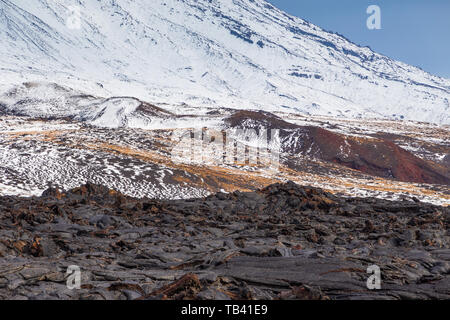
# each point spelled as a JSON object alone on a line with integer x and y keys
{"x": 36, "y": 154}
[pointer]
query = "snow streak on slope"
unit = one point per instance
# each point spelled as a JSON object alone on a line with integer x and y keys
{"x": 223, "y": 53}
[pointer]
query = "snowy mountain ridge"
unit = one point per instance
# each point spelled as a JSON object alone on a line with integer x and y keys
{"x": 242, "y": 54}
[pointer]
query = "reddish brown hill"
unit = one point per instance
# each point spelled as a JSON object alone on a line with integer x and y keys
{"x": 378, "y": 157}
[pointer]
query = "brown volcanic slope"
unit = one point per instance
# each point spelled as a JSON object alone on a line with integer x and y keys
{"x": 378, "y": 157}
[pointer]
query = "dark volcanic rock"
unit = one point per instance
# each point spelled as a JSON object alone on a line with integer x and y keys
{"x": 282, "y": 242}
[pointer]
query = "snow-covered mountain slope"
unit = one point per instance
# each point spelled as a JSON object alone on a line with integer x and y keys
{"x": 223, "y": 53}
{"x": 37, "y": 100}
{"x": 53, "y": 101}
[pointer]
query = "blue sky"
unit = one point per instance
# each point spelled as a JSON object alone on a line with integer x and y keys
{"x": 413, "y": 31}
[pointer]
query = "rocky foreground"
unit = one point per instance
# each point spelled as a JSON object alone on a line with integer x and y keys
{"x": 282, "y": 242}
